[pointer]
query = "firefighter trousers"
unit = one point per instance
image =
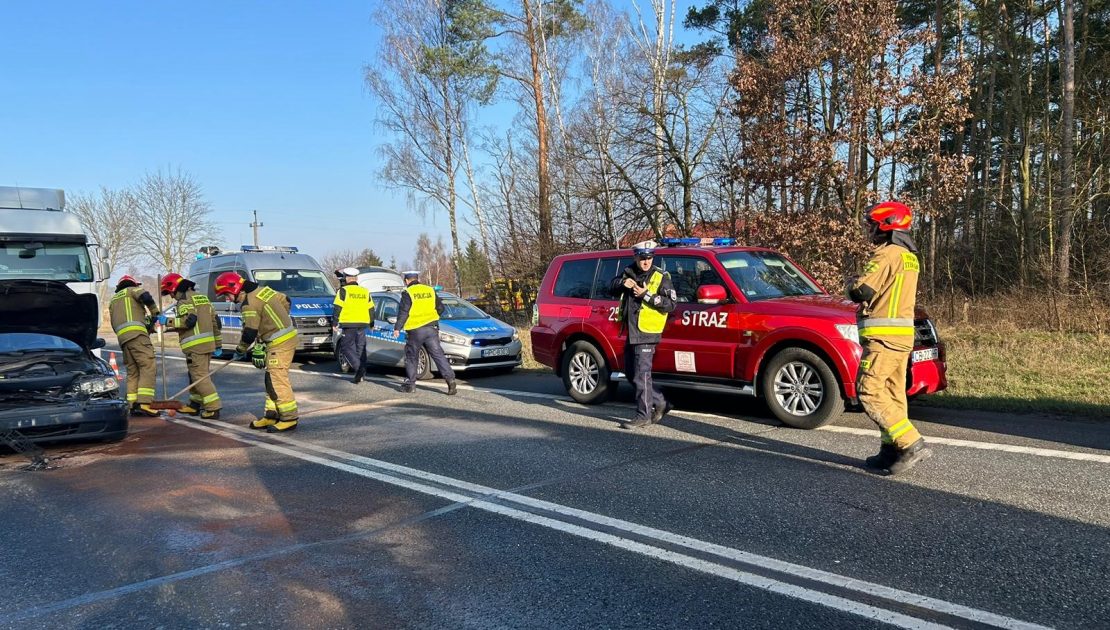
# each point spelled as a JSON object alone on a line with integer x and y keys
{"x": 142, "y": 370}
{"x": 202, "y": 393}
{"x": 881, "y": 387}
{"x": 426, "y": 337}
{"x": 280, "y": 403}
{"x": 637, "y": 368}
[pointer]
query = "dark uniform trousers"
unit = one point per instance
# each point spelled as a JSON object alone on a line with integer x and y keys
{"x": 427, "y": 337}
{"x": 352, "y": 346}
{"x": 637, "y": 364}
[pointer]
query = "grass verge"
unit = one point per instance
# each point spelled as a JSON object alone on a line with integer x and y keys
{"x": 1005, "y": 368}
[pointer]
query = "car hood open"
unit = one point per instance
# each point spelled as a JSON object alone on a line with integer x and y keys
{"x": 48, "y": 307}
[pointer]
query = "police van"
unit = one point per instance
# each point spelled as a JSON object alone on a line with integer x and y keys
{"x": 283, "y": 269}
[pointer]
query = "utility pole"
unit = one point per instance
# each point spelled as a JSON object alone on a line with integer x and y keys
{"x": 255, "y": 225}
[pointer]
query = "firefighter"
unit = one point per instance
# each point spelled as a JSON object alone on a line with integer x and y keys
{"x": 132, "y": 325}
{"x": 418, "y": 316}
{"x": 886, "y": 294}
{"x": 198, "y": 332}
{"x": 353, "y": 306}
{"x": 268, "y": 325}
{"x": 646, "y": 296}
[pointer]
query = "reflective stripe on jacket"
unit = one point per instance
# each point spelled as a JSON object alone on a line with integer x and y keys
{"x": 267, "y": 311}
{"x": 202, "y": 336}
{"x": 888, "y": 316}
{"x": 128, "y": 314}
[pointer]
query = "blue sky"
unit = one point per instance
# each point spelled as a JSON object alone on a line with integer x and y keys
{"x": 263, "y": 102}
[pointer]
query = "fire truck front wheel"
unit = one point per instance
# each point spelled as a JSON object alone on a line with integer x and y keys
{"x": 801, "y": 390}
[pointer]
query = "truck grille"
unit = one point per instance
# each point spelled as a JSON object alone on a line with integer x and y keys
{"x": 307, "y": 322}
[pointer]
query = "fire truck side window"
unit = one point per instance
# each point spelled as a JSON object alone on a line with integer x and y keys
{"x": 576, "y": 278}
{"x": 687, "y": 274}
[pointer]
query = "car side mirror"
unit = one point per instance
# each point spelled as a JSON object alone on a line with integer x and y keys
{"x": 98, "y": 344}
{"x": 105, "y": 270}
{"x": 712, "y": 294}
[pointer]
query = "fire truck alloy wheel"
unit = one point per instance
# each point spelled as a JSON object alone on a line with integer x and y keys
{"x": 801, "y": 390}
{"x": 585, "y": 373}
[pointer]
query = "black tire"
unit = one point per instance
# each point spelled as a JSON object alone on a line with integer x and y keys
{"x": 423, "y": 365}
{"x": 800, "y": 389}
{"x": 586, "y": 373}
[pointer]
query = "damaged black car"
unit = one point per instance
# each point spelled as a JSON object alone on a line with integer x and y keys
{"x": 52, "y": 387}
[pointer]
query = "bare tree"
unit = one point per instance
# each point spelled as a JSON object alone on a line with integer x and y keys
{"x": 172, "y": 219}
{"x": 109, "y": 218}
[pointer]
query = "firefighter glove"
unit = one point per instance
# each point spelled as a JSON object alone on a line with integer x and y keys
{"x": 217, "y": 353}
{"x": 258, "y": 356}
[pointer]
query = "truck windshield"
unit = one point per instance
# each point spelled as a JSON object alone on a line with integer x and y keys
{"x": 45, "y": 260}
{"x": 295, "y": 282}
{"x": 766, "y": 275}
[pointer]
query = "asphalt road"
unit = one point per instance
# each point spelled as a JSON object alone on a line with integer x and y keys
{"x": 511, "y": 506}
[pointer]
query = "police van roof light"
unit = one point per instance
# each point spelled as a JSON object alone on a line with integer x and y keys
{"x": 281, "y": 249}
{"x": 726, "y": 241}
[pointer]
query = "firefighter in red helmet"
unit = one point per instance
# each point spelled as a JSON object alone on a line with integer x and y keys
{"x": 198, "y": 332}
{"x": 268, "y": 325}
{"x": 886, "y": 294}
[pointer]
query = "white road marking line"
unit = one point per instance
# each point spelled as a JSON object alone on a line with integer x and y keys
{"x": 987, "y": 446}
{"x": 896, "y": 595}
{"x": 984, "y": 446}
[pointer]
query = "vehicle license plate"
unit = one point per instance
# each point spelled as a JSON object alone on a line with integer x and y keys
{"x": 925, "y": 355}
{"x": 319, "y": 340}
{"x": 496, "y": 352}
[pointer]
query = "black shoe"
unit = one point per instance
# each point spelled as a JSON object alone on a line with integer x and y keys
{"x": 407, "y": 389}
{"x": 659, "y": 413}
{"x": 636, "y": 423}
{"x": 907, "y": 459}
{"x": 451, "y": 388}
{"x": 882, "y": 461}
{"x": 358, "y": 375}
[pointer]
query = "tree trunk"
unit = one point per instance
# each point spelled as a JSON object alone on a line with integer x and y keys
{"x": 543, "y": 175}
{"x": 1066, "y": 180}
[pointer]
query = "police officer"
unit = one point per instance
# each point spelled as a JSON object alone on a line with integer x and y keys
{"x": 886, "y": 295}
{"x": 646, "y": 297}
{"x": 353, "y": 306}
{"x": 132, "y": 326}
{"x": 266, "y": 319}
{"x": 418, "y": 316}
{"x": 198, "y": 331}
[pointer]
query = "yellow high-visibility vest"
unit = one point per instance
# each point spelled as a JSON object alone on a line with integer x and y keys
{"x": 423, "y": 310}
{"x": 355, "y": 304}
{"x": 652, "y": 320}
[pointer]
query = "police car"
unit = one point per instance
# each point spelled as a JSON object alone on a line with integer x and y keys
{"x": 282, "y": 268}
{"x": 748, "y": 321}
{"x": 471, "y": 339}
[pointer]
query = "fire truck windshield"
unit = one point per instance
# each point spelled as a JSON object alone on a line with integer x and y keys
{"x": 766, "y": 275}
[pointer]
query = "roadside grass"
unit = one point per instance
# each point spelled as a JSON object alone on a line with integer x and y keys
{"x": 1006, "y": 368}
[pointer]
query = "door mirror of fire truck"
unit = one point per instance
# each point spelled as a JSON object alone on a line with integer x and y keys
{"x": 712, "y": 294}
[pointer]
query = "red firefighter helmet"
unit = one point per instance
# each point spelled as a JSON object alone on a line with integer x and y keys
{"x": 229, "y": 283}
{"x": 891, "y": 216}
{"x": 128, "y": 279}
{"x": 170, "y": 283}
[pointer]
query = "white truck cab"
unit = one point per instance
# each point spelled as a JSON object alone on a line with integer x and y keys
{"x": 40, "y": 240}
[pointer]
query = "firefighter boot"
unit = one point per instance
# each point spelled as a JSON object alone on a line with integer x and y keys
{"x": 882, "y": 461}
{"x": 263, "y": 422}
{"x": 451, "y": 388}
{"x": 282, "y": 426}
{"x": 188, "y": 410}
{"x": 210, "y": 415}
{"x": 143, "y": 410}
{"x": 908, "y": 458}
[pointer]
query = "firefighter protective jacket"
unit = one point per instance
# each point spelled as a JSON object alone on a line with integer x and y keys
{"x": 353, "y": 305}
{"x": 126, "y": 311}
{"x": 266, "y": 315}
{"x": 197, "y": 325}
{"x": 646, "y": 316}
{"x": 420, "y": 306}
{"x": 887, "y": 293}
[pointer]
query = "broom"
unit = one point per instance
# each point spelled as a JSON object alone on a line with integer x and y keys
{"x": 171, "y": 403}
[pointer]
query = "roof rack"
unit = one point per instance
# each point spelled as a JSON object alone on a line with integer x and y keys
{"x": 693, "y": 241}
{"x": 270, "y": 249}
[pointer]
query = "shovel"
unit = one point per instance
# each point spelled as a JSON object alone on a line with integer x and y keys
{"x": 171, "y": 403}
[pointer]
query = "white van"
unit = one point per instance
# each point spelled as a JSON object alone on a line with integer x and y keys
{"x": 40, "y": 240}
